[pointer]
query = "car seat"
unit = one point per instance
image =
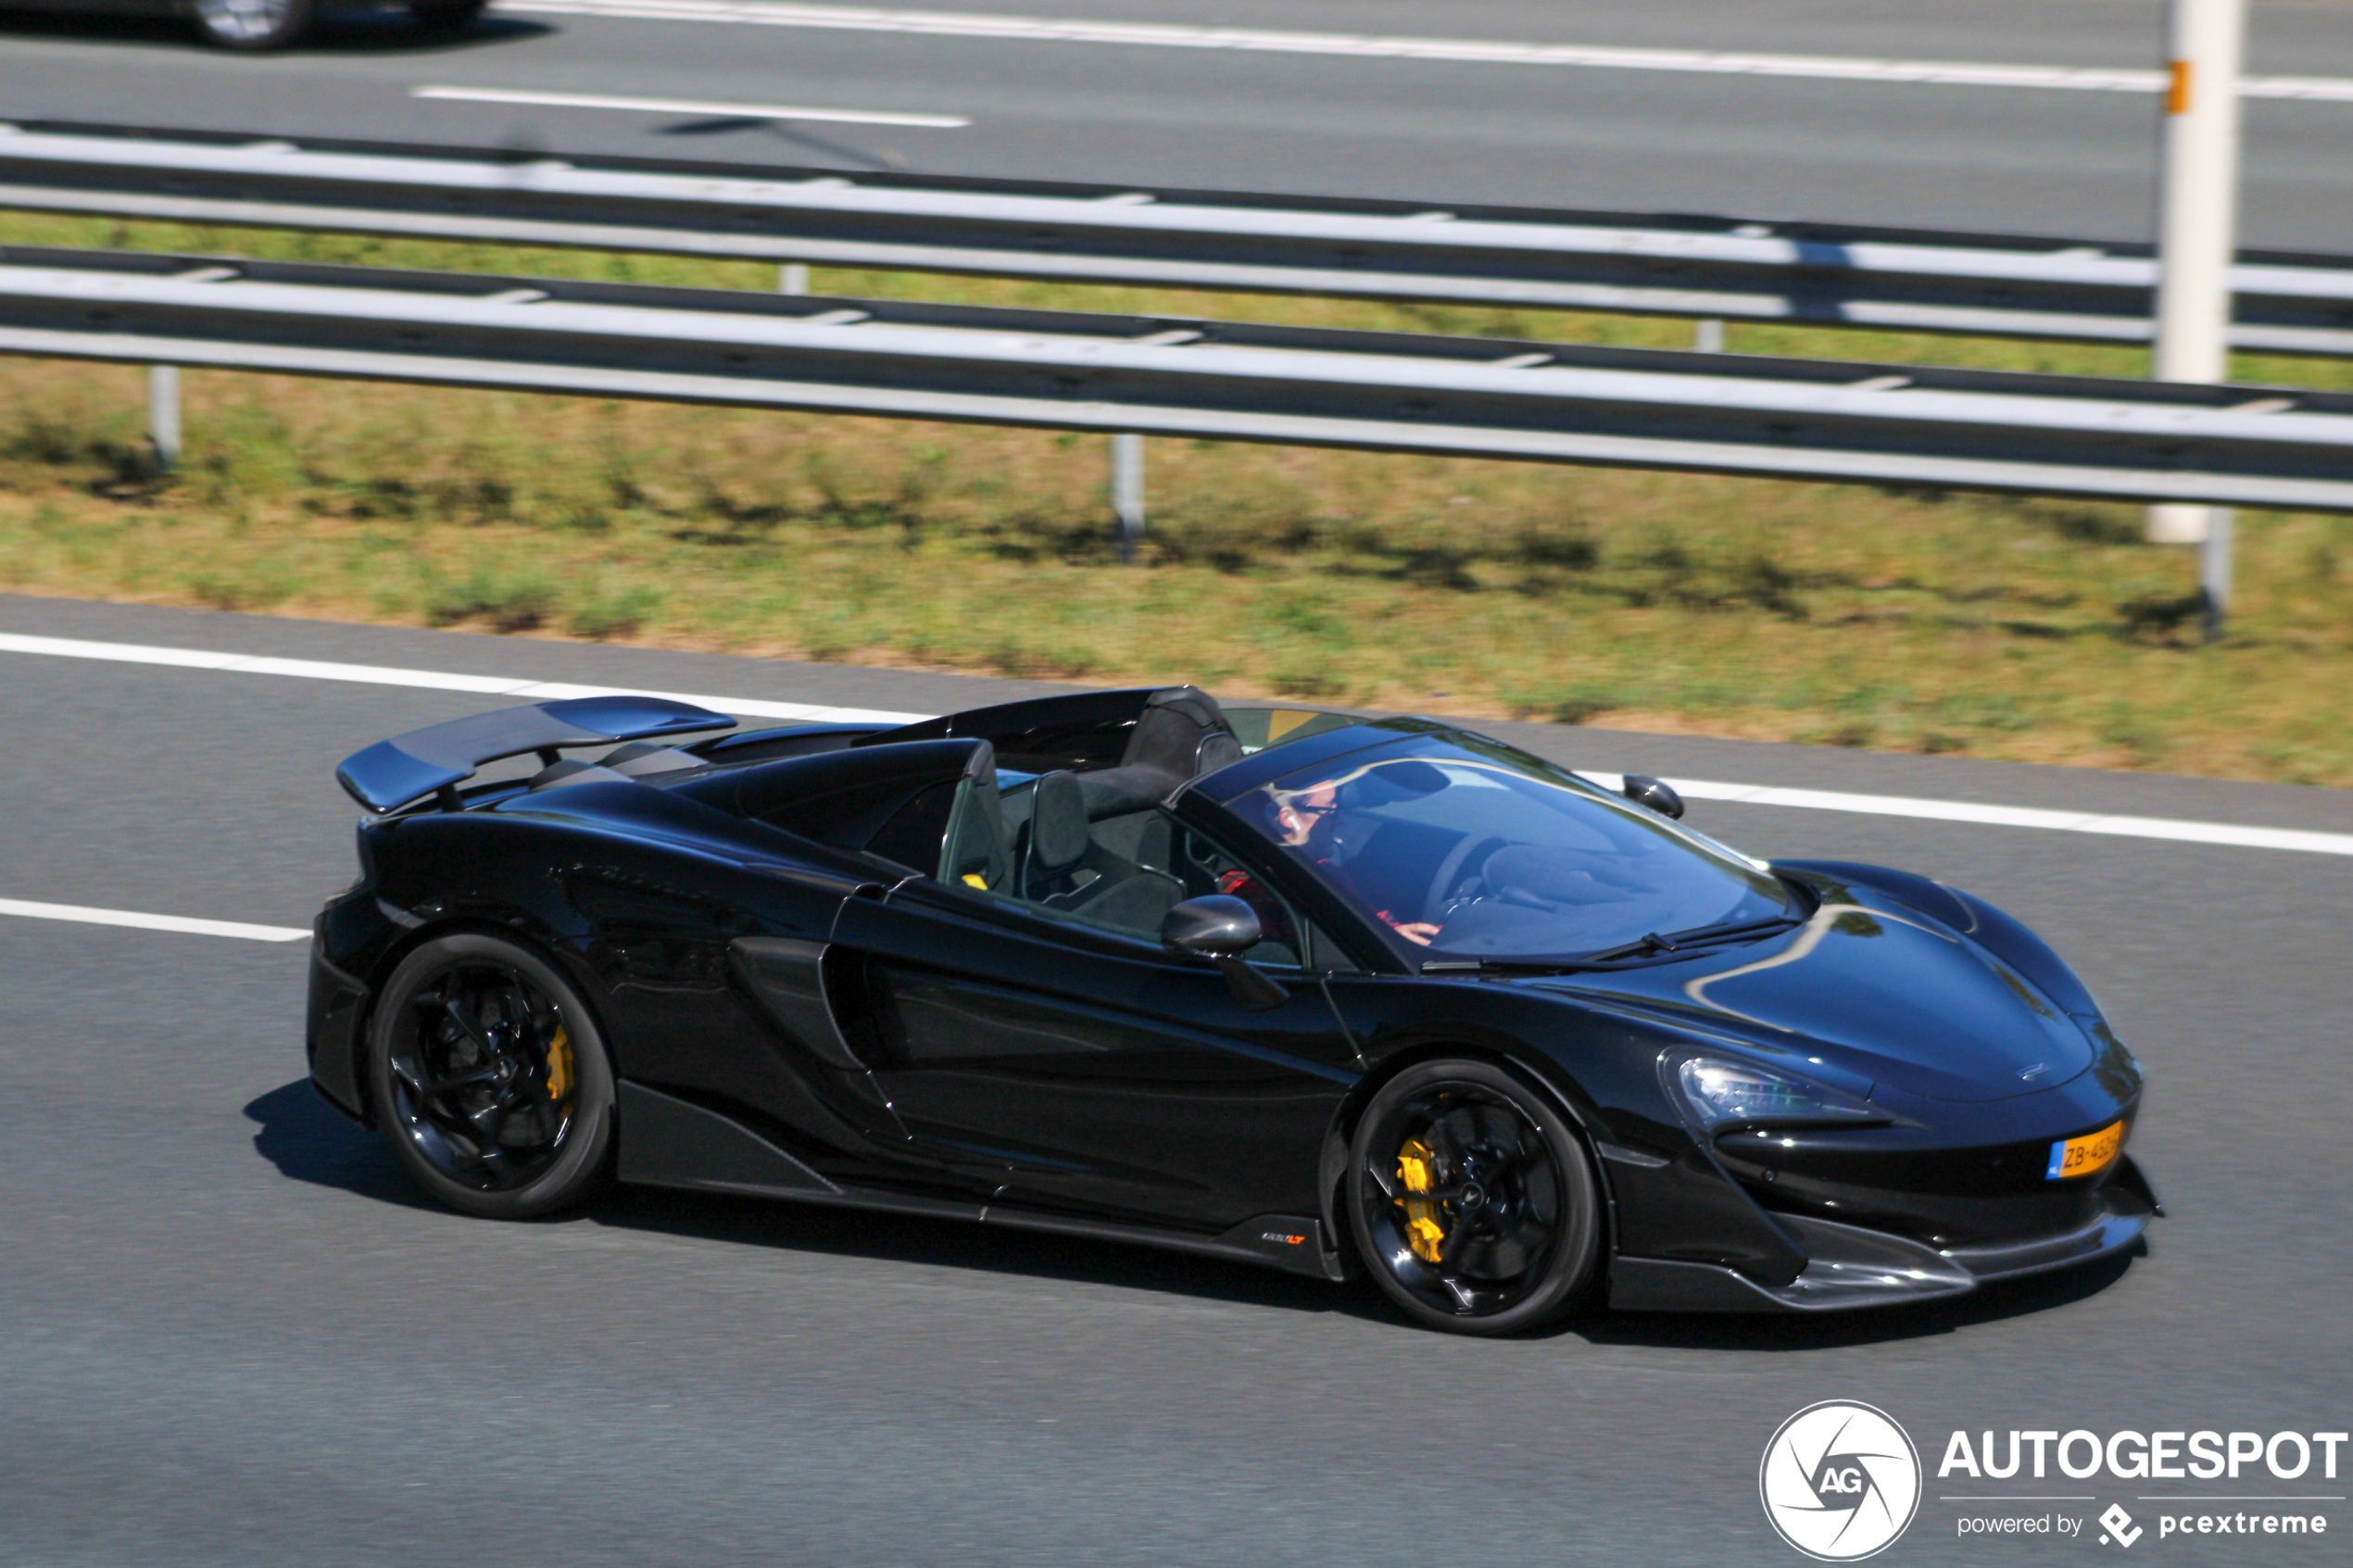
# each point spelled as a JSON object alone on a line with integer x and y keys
{"x": 1066, "y": 867}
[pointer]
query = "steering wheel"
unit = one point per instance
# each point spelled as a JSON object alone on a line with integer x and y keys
{"x": 1451, "y": 867}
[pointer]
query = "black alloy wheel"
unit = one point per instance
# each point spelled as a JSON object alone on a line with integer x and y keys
{"x": 1473, "y": 1204}
{"x": 250, "y": 24}
{"x": 490, "y": 1078}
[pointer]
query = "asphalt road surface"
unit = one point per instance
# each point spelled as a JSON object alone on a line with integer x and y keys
{"x": 2076, "y": 164}
{"x": 230, "y": 1334}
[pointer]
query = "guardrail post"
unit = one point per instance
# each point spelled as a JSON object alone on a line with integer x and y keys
{"x": 1707, "y": 336}
{"x": 793, "y": 278}
{"x": 2214, "y": 572}
{"x": 163, "y": 413}
{"x": 2198, "y": 217}
{"x": 1127, "y": 490}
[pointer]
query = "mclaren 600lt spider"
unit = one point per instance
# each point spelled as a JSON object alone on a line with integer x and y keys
{"x": 1328, "y": 993}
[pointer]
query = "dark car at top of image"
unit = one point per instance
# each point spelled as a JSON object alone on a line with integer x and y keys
{"x": 1333, "y": 994}
{"x": 261, "y": 24}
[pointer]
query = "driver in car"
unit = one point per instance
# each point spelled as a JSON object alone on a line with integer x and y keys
{"x": 1313, "y": 821}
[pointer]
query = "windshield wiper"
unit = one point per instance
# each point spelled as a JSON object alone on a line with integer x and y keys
{"x": 1650, "y": 948}
{"x": 1698, "y": 936}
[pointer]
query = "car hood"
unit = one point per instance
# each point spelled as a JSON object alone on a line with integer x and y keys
{"x": 1875, "y": 991}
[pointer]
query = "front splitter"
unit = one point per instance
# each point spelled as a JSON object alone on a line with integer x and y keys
{"x": 1848, "y": 1267}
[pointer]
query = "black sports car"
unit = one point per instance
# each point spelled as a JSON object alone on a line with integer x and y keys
{"x": 1297, "y": 987}
{"x": 261, "y": 24}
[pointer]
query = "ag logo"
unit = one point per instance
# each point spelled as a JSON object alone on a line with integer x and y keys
{"x": 1839, "y": 1481}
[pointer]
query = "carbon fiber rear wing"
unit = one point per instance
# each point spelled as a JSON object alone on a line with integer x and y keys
{"x": 436, "y": 759}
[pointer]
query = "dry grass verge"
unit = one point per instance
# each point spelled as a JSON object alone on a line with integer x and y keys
{"x": 2032, "y": 630}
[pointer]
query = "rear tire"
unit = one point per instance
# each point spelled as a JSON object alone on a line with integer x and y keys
{"x": 250, "y": 25}
{"x": 490, "y": 1080}
{"x": 1508, "y": 1236}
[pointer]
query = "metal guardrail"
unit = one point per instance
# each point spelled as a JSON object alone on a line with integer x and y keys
{"x": 1790, "y": 419}
{"x": 1706, "y": 267}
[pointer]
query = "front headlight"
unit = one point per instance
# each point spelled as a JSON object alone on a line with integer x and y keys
{"x": 1720, "y": 1091}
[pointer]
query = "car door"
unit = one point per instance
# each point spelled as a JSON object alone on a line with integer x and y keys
{"x": 1063, "y": 1060}
{"x": 713, "y": 990}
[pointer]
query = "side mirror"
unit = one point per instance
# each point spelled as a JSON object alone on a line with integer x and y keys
{"x": 1216, "y": 925}
{"x": 1221, "y": 928}
{"x": 1643, "y": 790}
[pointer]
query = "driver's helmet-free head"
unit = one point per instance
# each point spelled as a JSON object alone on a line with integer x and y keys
{"x": 1301, "y": 817}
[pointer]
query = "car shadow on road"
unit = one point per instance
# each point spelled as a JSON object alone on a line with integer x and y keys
{"x": 374, "y": 32}
{"x": 957, "y": 1244}
{"x": 307, "y": 1141}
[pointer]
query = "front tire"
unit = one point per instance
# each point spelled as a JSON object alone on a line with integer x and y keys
{"x": 250, "y": 24}
{"x": 1474, "y": 1205}
{"x": 490, "y": 1079}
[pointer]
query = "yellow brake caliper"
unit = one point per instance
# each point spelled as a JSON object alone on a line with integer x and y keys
{"x": 559, "y": 1065}
{"x": 1423, "y": 1232}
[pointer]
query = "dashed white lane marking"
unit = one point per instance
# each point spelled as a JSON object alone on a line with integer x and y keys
{"x": 2231, "y": 834}
{"x": 82, "y": 915}
{"x": 690, "y": 105}
{"x": 1711, "y": 62}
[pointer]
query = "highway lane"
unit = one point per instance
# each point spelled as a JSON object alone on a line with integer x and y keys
{"x": 229, "y": 1333}
{"x": 2071, "y": 163}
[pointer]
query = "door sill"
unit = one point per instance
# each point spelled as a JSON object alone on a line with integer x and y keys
{"x": 669, "y": 1142}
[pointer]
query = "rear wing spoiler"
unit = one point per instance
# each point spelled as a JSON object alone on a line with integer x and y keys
{"x": 436, "y": 759}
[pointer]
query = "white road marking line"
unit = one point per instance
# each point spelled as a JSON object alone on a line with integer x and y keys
{"x": 82, "y": 915}
{"x": 690, "y": 105}
{"x": 433, "y": 680}
{"x": 1058, "y": 30}
{"x": 2174, "y": 829}
{"x": 2228, "y": 834}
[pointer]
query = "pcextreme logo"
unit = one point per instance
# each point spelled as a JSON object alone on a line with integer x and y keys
{"x": 1841, "y": 1481}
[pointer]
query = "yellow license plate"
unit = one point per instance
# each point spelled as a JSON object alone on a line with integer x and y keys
{"x": 2082, "y": 1157}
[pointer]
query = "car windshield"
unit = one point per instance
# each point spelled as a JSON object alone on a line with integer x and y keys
{"x": 1470, "y": 848}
